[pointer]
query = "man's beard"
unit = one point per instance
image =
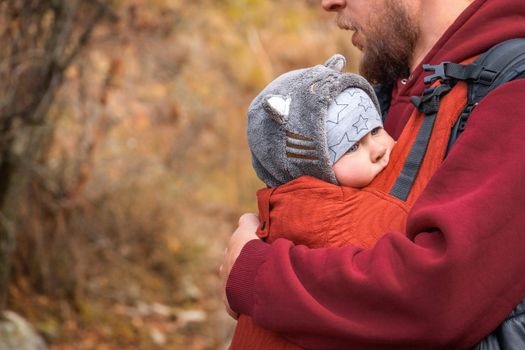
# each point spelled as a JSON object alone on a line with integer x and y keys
{"x": 390, "y": 43}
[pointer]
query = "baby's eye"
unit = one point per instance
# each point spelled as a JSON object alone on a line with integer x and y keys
{"x": 376, "y": 131}
{"x": 354, "y": 148}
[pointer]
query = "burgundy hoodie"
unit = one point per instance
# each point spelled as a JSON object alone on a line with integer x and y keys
{"x": 456, "y": 272}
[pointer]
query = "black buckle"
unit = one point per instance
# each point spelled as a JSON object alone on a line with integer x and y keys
{"x": 439, "y": 72}
{"x": 428, "y": 103}
{"x": 486, "y": 76}
{"x": 447, "y": 71}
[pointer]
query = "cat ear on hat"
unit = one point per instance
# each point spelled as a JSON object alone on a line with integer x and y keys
{"x": 336, "y": 62}
{"x": 279, "y": 107}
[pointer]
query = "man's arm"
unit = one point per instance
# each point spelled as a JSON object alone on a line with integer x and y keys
{"x": 445, "y": 283}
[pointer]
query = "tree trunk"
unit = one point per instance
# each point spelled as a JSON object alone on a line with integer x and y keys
{"x": 40, "y": 40}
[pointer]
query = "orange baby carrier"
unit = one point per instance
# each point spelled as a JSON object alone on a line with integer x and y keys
{"x": 351, "y": 216}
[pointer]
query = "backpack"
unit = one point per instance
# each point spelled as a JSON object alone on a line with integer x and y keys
{"x": 500, "y": 64}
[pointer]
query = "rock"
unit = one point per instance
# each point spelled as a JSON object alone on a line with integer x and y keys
{"x": 17, "y": 334}
{"x": 157, "y": 336}
{"x": 157, "y": 309}
{"x": 160, "y": 309}
{"x": 191, "y": 291}
{"x": 191, "y": 316}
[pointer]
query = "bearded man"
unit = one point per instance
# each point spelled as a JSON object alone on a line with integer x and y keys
{"x": 457, "y": 271}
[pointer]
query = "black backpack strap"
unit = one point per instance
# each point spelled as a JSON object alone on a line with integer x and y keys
{"x": 500, "y": 64}
{"x": 504, "y": 62}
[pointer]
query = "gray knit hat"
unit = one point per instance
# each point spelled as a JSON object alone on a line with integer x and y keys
{"x": 306, "y": 119}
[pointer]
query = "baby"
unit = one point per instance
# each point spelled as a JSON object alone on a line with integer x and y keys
{"x": 318, "y": 122}
{"x": 318, "y": 143}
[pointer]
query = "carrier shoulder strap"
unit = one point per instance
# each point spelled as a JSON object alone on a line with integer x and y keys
{"x": 500, "y": 64}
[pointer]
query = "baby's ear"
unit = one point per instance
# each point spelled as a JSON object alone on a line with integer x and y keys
{"x": 279, "y": 107}
{"x": 336, "y": 62}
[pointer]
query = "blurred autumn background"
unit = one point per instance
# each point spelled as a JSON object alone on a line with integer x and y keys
{"x": 124, "y": 163}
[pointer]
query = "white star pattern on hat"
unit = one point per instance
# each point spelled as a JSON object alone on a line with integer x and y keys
{"x": 343, "y": 102}
{"x": 334, "y": 148}
{"x": 365, "y": 102}
{"x": 360, "y": 125}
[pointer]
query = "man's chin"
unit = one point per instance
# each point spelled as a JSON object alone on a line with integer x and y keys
{"x": 382, "y": 61}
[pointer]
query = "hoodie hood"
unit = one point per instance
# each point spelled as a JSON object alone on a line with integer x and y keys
{"x": 493, "y": 21}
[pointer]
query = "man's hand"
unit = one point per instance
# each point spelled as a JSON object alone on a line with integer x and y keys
{"x": 244, "y": 233}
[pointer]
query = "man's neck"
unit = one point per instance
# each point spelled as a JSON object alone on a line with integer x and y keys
{"x": 435, "y": 17}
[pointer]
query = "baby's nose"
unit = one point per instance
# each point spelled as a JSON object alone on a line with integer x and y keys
{"x": 377, "y": 151}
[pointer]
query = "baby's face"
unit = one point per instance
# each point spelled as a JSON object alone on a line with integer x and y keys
{"x": 363, "y": 161}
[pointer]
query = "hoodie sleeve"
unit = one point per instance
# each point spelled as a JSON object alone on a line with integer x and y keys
{"x": 445, "y": 283}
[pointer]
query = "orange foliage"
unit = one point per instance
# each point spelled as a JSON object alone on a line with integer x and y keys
{"x": 150, "y": 138}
